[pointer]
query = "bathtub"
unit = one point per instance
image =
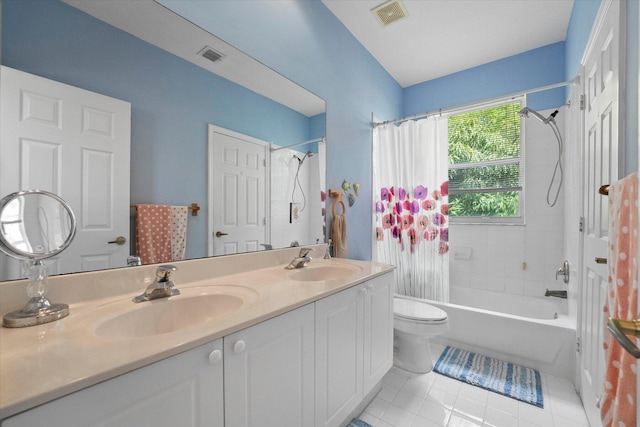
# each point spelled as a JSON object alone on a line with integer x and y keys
{"x": 531, "y": 331}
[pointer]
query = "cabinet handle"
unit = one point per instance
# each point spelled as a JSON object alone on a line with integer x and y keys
{"x": 239, "y": 347}
{"x": 215, "y": 356}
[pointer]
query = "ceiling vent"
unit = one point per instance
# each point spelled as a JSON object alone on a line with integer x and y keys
{"x": 211, "y": 54}
{"x": 390, "y": 12}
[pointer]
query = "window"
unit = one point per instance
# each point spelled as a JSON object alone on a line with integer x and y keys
{"x": 486, "y": 167}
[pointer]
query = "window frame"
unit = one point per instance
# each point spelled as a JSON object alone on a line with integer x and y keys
{"x": 495, "y": 220}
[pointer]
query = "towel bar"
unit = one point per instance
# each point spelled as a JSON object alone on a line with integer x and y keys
{"x": 194, "y": 208}
{"x": 620, "y": 329}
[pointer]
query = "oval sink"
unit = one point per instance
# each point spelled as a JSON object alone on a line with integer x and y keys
{"x": 167, "y": 315}
{"x": 323, "y": 274}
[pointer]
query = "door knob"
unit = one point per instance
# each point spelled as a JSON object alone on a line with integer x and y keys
{"x": 600, "y": 260}
{"x": 220, "y": 234}
{"x": 620, "y": 329}
{"x": 120, "y": 240}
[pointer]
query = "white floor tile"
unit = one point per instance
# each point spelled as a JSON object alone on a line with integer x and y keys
{"x": 433, "y": 400}
{"x": 377, "y": 407}
{"x": 417, "y": 387}
{"x": 476, "y": 394}
{"x": 503, "y": 404}
{"x": 422, "y": 422}
{"x": 398, "y": 417}
{"x": 368, "y": 418}
{"x": 535, "y": 415}
{"x": 495, "y": 418}
{"x": 388, "y": 393}
{"x": 469, "y": 408}
{"x": 442, "y": 397}
{"x": 408, "y": 402}
{"x": 568, "y": 422}
{"x": 434, "y": 412}
{"x": 458, "y": 420}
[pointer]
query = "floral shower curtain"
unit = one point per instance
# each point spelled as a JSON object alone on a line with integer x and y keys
{"x": 411, "y": 205}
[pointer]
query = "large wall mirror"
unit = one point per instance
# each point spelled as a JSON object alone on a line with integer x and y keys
{"x": 161, "y": 66}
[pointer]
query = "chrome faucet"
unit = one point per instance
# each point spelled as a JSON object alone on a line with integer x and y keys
{"x": 302, "y": 260}
{"x": 564, "y": 271}
{"x": 161, "y": 287}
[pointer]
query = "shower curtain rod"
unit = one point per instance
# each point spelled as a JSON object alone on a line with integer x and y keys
{"x": 299, "y": 143}
{"x": 470, "y": 104}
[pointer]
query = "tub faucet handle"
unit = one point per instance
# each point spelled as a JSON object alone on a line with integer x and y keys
{"x": 564, "y": 271}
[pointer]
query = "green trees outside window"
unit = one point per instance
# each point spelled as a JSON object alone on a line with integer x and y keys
{"x": 485, "y": 164}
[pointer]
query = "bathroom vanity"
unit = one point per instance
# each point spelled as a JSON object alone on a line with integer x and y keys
{"x": 303, "y": 347}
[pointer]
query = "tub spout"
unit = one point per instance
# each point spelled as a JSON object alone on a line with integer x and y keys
{"x": 557, "y": 294}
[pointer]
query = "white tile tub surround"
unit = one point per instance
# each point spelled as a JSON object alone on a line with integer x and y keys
{"x": 499, "y": 251}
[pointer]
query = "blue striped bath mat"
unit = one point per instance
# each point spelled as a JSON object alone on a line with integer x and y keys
{"x": 506, "y": 378}
{"x": 357, "y": 422}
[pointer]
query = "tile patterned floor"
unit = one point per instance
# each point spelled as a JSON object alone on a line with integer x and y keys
{"x": 433, "y": 400}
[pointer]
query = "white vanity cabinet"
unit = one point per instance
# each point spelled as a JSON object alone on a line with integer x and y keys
{"x": 268, "y": 371}
{"x": 311, "y": 366}
{"x": 354, "y": 347}
{"x": 183, "y": 390}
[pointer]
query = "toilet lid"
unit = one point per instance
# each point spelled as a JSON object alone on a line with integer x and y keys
{"x": 417, "y": 310}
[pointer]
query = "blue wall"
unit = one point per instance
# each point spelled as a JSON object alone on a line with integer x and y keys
{"x": 172, "y": 99}
{"x": 536, "y": 68}
{"x": 582, "y": 16}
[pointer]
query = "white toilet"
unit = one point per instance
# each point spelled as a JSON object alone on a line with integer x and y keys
{"x": 414, "y": 324}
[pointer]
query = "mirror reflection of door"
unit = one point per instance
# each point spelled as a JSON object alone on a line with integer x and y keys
{"x": 75, "y": 144}
{"x": 238, "y": 192}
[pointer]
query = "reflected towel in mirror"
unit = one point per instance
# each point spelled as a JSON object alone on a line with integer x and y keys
{"x": 178, "y": 232}
{"x": 153, "y": 233}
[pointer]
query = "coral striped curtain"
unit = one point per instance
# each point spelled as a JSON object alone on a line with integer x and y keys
{"x": 411, "y": 205}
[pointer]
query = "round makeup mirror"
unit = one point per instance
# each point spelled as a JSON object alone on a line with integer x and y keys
{"x": 35, "y": 225}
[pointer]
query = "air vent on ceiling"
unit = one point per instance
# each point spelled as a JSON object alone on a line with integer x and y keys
{"x": 390, "y": 12}
{"x": 211, "y": 54}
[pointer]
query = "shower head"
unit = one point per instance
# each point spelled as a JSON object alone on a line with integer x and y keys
{"x": 526, "y": 110}
{"x": 307, "y": 154}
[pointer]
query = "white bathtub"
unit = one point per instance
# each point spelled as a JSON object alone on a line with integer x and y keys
{"x": 530, "y": 331}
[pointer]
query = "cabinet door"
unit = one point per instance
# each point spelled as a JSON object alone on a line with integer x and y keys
{"x": 378, "y": 329}
{"x": 339, "y": 339}
{"x": 183, "y": 390}
{"x": 269, "y": 372}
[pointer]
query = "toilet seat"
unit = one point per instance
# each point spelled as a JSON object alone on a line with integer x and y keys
{"x": 417, "y": 311}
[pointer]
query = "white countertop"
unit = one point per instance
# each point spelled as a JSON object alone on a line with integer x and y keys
{"x": 42, "y": 363}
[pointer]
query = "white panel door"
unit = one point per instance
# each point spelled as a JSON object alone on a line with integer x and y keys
{"x": 238, "y": 192}
{"x": 76, "y": 144}
{"x": 601, "y": 123}
{"x": 268, "y": 372}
